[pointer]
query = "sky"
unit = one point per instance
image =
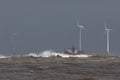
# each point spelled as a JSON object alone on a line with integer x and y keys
{"x": 52, "y": 24}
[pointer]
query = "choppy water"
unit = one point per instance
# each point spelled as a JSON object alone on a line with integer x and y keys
{"x": 57, "y": 68}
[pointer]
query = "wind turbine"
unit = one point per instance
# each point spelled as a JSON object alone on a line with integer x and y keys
{"x": 81, "y": 27}
{"x": 13, "y": 42}
{"x": 108, "y": 39}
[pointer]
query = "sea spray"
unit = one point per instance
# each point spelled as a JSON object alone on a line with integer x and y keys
{"x": 2, "y": 56}
{"x": 49, "y": 53}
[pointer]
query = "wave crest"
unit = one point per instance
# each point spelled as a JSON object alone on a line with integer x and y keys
{"x": 49, "y": 53}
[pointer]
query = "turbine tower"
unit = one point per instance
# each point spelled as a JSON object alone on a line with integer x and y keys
{"x": 108, "y": 39}
{"x": 81, "y": 27}
{"x": 13, "y": 43}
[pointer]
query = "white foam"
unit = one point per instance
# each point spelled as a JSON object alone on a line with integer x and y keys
{"x": 32, "y": 54}
{"x": 49, "y": 53}
{"x": 1, "y": 56}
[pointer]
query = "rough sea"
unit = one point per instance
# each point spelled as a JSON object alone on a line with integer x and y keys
{"x": 34, "y": 67}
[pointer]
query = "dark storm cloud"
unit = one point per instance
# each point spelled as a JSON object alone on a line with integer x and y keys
{"x": 52, "y": 24}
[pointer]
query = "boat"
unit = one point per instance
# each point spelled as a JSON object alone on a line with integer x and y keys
{"x": 73, "y": 51}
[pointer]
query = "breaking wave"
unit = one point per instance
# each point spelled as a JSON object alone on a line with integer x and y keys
{"x": 46, "y": 53}
{"x": 2, "y": 56}
{"x": 49, "y": 53}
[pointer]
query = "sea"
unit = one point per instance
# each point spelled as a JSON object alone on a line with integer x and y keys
{"x": 49, "y": 66}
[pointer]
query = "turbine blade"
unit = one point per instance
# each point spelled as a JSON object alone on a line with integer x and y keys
{"x": 81, "y": 26}
{"x": 77, "y": 22}
{"x": 105, "y": 26}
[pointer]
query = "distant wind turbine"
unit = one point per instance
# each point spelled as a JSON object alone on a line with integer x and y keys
{"x": 13, "y": 43}
{"x": 108, "y": 39}
{"x": 81, "y": 27}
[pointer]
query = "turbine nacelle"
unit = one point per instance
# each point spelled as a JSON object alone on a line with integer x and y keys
{"x": 106, "y": 29}
{"x": 81, "y": 26}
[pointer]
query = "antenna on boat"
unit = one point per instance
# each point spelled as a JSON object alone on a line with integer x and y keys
{"x": 108, "y": 39}
{"x": 81, "y": 27}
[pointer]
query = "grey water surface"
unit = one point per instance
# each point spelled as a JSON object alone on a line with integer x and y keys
{"x": 57, "y": 68}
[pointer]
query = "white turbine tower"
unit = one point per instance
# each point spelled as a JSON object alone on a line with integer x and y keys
{"x": 81, "y": 27}
{"x": 108, "y": 39}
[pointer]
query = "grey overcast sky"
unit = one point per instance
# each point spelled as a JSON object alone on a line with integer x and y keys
{"x": 52, "y": 24}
